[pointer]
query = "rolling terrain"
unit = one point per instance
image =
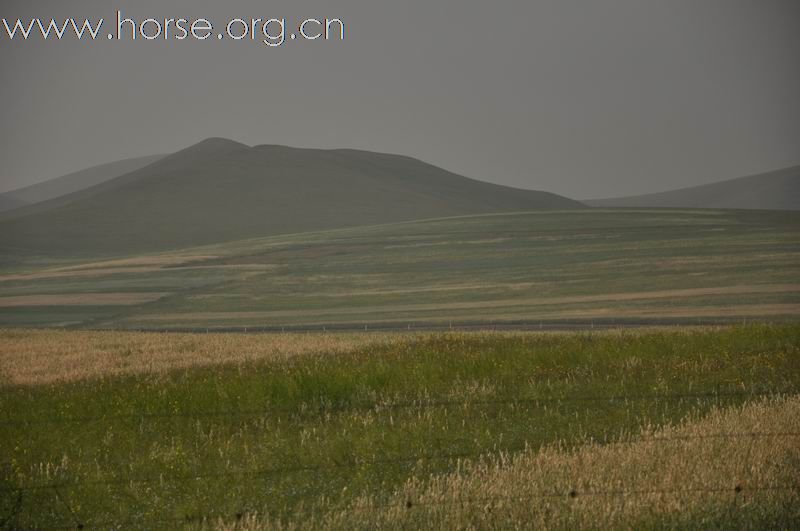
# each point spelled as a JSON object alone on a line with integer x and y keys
{"x": 603, "y": 266}
{"x": 679, "y": 428}
{"x": 73, "y": 182}
{"x": 220, "y": 190}
{"x": 775, "y": 190}
{"x": 137, "y": 410}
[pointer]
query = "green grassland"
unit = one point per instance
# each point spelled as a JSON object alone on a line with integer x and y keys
{"x": 292, "y": 440}
{"x": 580, "y": 265}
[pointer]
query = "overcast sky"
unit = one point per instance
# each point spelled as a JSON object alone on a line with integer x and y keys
{"x": 585, "y": 98}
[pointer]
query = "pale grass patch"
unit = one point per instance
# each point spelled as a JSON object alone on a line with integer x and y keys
{"x": 473, "y": 390}
{"x": 511, "y": 286}
{"x": 148, "y": 260}
{"x": 81, "y": 299}
{"x": 447, "y": 242}
{"x": 35, "y": 357}
{"x": 531, "y": 303}
{"x": 530, "y": 314}
{"x": 629, "y": 484}
{"x": 79, "y": 273}
{"x": 139, "y": 264}
{"x": 38, "y": 357}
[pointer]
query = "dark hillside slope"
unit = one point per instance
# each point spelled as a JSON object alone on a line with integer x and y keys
{"x": 76, "y": 181}
{"x": 220, "y": 190}
{"x": 10, "y": 203}
{"x": 776, "y": 190}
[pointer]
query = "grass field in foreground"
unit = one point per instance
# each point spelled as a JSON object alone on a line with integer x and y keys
{"x": 406, "y": 431}
{"x": 601, "y": 265}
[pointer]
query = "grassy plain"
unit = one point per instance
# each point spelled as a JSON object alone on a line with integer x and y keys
{"x": 580, "y": 265}
{"x": 420, "y": 430}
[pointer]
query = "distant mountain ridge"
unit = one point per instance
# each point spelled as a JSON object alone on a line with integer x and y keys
{"x": 73, "y": 182}
{"x": 220, "y": 190}
{"x": 775, "y": 190}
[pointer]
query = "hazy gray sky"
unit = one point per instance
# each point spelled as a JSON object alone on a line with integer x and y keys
{"x": 584, "y": 98}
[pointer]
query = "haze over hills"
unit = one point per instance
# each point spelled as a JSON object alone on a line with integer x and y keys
{"x": 72, "y": 182}
{"x": 775, "y": 190}
{"x": 221, "y": 190}
{"x": 10, "y": 203}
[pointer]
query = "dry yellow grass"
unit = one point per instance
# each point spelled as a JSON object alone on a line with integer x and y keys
{"x": 160, "y": 260}
{"x": 765, "y": 309}
{"x": 509, "y": 286}
{"x": 77, "y": 273}
{"x": 33, "y": 357}
{"x": 144, "y": 264}
{"x": 324, "y": 317}
{"x": 139, "y": 264}
{"x": 727, "y": 310}
{"x": 671, "y": 474}
{"x": 39, "y": 357}
{"x": 80, "y": 299}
